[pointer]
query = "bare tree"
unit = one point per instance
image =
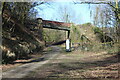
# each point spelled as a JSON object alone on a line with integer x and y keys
{"x": 66, "y": 13}
{"x": 115, "y": 8}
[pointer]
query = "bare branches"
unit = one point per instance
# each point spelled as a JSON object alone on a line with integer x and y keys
{"x": 99, "y": 2}
{"x": 116, "y": 9}
{"x": 91, "y": 2}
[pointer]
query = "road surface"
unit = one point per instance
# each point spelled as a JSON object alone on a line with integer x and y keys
{"x": 23, "y": 70}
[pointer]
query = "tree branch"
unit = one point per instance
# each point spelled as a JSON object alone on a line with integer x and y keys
{"x": 109, "y": 3}
{"x": 91, "y": 2}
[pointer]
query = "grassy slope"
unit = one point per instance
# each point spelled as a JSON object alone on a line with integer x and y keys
{"x": 86, "y": 30}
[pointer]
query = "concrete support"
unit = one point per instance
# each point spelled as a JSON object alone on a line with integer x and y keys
{"x": 68, "y": 34}
{"x": 68, "y": 45}
{"x": 68, "y": 42}
{"x": 40, "y": 28}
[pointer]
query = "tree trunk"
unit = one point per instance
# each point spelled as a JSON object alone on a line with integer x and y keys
{"x": 3, "y": 7}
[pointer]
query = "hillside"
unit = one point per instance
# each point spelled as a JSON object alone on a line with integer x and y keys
{"x": 87, "y": 30}
{"x": 18, "y": 41}
{"x": 83, "y": 33}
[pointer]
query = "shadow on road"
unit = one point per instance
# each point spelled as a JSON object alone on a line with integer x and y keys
{"x": 45, "y": 56}
{"x": 35, "y": 60}
{"x": 108, "y": 63}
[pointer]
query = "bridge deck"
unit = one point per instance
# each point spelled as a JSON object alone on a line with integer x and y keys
{"x": 57, "y": 27}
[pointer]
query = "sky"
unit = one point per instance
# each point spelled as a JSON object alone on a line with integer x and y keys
{"x": 80, "y": 12}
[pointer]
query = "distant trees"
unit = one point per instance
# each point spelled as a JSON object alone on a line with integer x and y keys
{"x": 104, "y": 16}
{"x": 108, "y": 15}
{"x": 66, "y": 13}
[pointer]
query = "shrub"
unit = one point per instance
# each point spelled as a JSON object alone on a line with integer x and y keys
{"x": 97, "y": 30}
{"x": 7, "y": 57}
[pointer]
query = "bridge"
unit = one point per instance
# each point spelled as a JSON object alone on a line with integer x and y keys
{"x": 54, "y": 25}
{"x": 38, "y": 24}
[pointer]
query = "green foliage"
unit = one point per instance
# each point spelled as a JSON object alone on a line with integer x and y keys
{"x": 97, "y": 30}
{"x": 101, "y": 35}
{"x": 51, "y": 36}
{"x": 7, "y": 57}
{"x": 75, "y": 34}
{"x": 87, "y": 24}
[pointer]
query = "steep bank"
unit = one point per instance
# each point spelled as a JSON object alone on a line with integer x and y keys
{"x": 17, "y": 40}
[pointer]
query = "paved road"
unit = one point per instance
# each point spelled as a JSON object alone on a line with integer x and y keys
{"x": 23, "y": 70}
